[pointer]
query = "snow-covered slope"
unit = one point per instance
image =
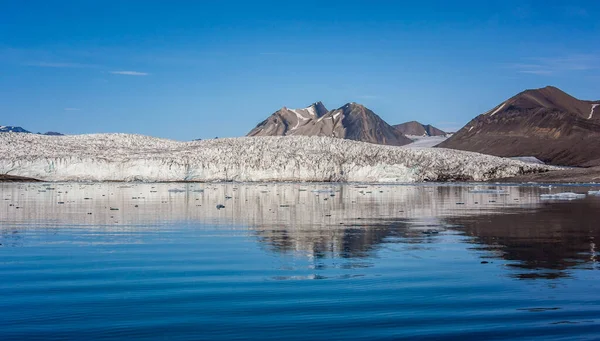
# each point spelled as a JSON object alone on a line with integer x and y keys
{"x": 425, "y": 141}
{"x": 122, "y": 157}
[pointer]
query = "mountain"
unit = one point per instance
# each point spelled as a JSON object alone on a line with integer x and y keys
{"x": 11, "y": 129}
{"x": 351, "y": 121}
{"x": 545, "y": 123}
{"x": 415, "y": 128}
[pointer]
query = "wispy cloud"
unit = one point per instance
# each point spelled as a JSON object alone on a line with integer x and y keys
{"x": 129, "y": 73}
{"x": 554, "y": 65}
{"x": 536, "y": 71}
{"x": 72, "y": 109}
{"x": 61, "y": 65}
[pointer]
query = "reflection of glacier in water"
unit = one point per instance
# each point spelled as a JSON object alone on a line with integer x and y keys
{"x": 318, "y": 220}
{"x": 261, "y": 206}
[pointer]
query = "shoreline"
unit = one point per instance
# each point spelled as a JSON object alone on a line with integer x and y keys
{"x": 14, "y": 178}
{"x": 571, "y": 175}
{"x": 513, "y": 181}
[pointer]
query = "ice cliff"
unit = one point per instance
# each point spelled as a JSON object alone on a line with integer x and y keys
{"x": 123, "y": 157}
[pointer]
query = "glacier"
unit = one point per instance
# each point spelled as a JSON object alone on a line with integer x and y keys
{"x": 128, "y": 157}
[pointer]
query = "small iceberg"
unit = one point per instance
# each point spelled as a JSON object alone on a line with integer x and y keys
{"x": 562, "y": 196}
{"x": 595, "y": 193}
{"x": 323, "y": 191}
{"x": 488, "y": 191}
{"x": 176, "y": 190}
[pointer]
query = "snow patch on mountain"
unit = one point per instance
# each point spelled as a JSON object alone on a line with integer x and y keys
{"x": 124, "y": 157}
{"x": 592, "y": 111}
{"x": 498, "y": 109}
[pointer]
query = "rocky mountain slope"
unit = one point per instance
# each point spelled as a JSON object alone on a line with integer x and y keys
{"x": 415, "y": 128}
{"x": 546, "y": 123}
{"x": 123, "y": 157}
{"x": 351, "y": 121}
{"x": 11, "y": 129}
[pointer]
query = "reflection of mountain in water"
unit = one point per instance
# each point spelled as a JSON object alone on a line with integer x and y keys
{"x": 547, "y": 241}
{"x": 319, "y": 220}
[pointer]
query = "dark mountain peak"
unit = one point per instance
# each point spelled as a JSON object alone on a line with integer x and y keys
{"x": 418, "y": 129}
{"x": 546, "y": 123}
{"x": 548, "y": 89}
{"x": 548, "y": 98}
{"x": 53, "y": 133}
{"x": 12, "y": 129}
{"x": 319, "y": 108}
{"x": 351, "y": 121}
{"x": 549, "y": 94}
{"x": 353, "y": 106}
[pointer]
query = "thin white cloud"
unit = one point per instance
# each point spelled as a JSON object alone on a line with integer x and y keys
{"x": 61, "y": 65}
{"x": 129, "y": 73}
{"x": 554, "y": 65}
{"x": 72, "y": 109}
{"x": 538, "y": 72}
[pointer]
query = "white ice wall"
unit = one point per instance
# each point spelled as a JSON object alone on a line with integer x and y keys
{"x": 117, "y": 157}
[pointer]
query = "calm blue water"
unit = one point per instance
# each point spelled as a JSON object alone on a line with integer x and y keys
{"x": 296, "y": 262}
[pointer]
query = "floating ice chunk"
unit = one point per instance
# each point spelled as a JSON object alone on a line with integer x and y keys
{"x": 562, "y": 196}
{"x": 328, "y": 190}
{"x": 595, "y": 193}
{"x": 489, "y": 191}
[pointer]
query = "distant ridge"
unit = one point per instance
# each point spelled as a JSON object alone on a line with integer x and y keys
{"x": 351, "y": 121}
{"x": 415, "y": 128}
{"x": 545, "y": 123}
{"x": 12, "y": 129}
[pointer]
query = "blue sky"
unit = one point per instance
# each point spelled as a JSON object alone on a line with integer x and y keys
{"x": 200, "y": 69}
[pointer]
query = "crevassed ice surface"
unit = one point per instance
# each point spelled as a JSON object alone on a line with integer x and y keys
{"x": 123, "y": 157}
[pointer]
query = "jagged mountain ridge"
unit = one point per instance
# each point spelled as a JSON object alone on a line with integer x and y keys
{"x": 415, "y": 128}
{"x": 13, "y": 129}
{"x": 546, "y": 123}
{"x": 351, "y": 121}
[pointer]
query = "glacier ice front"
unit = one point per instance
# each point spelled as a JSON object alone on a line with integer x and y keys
{"x": 123, "y": 157}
